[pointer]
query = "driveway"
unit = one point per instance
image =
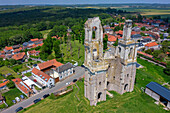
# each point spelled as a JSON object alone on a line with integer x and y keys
{"x": 79, "y": 72}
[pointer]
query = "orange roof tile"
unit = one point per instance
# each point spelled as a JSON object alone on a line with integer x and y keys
{"x": 111, "y": 38}
{"x": 33, "y": 52}
{"x": 36, "y": 39}
{"x": 146, "y": 37}
{"x": 22, "y": 86}
{"x": 49, "y": 63}
{"x": 40, "y": 44}
{"x": 2, "y": 56}
{"x": 4, "y": 83}
{"x": 8, "y": 48}
{"x": 145, "y": 54}
{"x": 44, "y": 76}
{"x": 2, "y": 52}
{"x": 151, "y": 44}
{"x": 119, "y": 32}
{"x": 19, "y": 56}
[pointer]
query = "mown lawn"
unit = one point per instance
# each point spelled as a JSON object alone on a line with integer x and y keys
{"x": 5, "y": 70}
{"x": 134, "y": 102}
{"x": 11, "y": 94}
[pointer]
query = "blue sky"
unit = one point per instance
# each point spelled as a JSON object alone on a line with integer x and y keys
{"x": 20, "y": 2}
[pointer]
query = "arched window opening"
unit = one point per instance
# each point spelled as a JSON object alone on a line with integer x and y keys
{"x": 125, "y": 88}
{"x": 99, "y": 95}
{"x": 94, "y": 32}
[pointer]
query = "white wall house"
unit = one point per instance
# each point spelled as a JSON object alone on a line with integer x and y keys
{"x": 43, "y": 78}
{"x": 63, "y": 71}
{"x": 153, "y": 45}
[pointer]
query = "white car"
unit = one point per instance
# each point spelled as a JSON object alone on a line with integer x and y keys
{"x": 67, "y": 83}
{"x": 17, "y": 99}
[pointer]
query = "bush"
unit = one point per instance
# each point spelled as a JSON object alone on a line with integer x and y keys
{"x": 52, "y": 96}
{"x": 10, "y": 85}
{"x": 10, "y": 77}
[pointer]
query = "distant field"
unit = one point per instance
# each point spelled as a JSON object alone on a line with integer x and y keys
{"x": 134, "y": 102}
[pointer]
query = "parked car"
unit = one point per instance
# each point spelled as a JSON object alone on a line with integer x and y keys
{"x": 19, "y": 109}
{"x": 67, "y": 83}
{"x": 74, "y": 80}
{"x": 36, "y": 100}
{"x": 46, "y": 95}
{"x": 22, "y": 96}
{"x": 17, "y": 99}
{"x": 14, "y": 101}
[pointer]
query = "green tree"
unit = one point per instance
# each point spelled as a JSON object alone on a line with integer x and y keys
{"x": 10, "y": 84}
{"x": 148, "y": 51}
{"x": 116, "y": 43}
{"x": 156, "y": 53}
{"x": 165, "y": 45}
{"x": 57, "y": 49}
{"x": 105, "y": 39}
{"x": 167, "y": 69}
{"x": 143, "y": 28}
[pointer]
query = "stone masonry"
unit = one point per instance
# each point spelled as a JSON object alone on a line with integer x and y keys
{"x": 115, "y": 70}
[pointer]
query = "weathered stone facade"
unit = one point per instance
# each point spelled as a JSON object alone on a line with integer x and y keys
{"x": 115, "y": 70}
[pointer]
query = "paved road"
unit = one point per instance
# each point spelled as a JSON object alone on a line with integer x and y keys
{"x": 29, "y": 70}
{"x": 79, "y": 72}
{"x": 38, "y": 60}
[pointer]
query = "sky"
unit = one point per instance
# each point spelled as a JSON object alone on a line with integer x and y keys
{"x": 55, "y": 2}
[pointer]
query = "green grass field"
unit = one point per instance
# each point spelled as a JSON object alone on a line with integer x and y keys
{"x": 11, "y": 94}
{"x": 5, "y": 70}
{"x": 134, "y": 102}
{"x": 45, "y": 33}
{"x": 67, "y": 54}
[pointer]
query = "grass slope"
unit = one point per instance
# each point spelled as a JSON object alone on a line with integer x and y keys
{"x": 134, "y": 102}
{"x": 5, "y": 70}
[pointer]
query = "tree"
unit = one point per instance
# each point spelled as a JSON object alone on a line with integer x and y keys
{"x": 148, "y": 51}
{"x": 143, "y": 28}
{"x": 116, "y": 43}
{"x": 165, "y": 45}
{"x": 167, "y": 69}
{"x": 105, "y": 39}
{"x": 10, "y": 84}
{"x": 161, "y": 56}
{"x": 156, "y": 53}
{"x": 57, "y": 49}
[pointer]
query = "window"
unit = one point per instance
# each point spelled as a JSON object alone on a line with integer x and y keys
{"x": 99, "y": 83}
{"x": 127, "y": 75}
{"x": 119, "y": 49}
{"x": 40, "y": 75}
{"x": 43, "y": 77}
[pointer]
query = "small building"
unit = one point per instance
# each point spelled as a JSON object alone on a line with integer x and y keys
{"x": 159, "y": 93}
{"x": 33, "y": 53}
{"x": 8, "y": 49}
{"x": 153, "y": 45}
{"x": 24, "y": 88}
{"x": 19, "y": 56}
{"x": 3, "y": 85}
{"x": 43, "y": 78}
{"x": 63, "y": 71}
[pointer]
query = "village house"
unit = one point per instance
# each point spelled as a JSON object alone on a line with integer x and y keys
{"x": 62, "y": 71}
{"x": 8, "y": 49}
{"x": 33, "y": 53}
{"x": 159, "y": 93}
{"x": 24, "y": 88}
{"x": 19, "y": 56}
{"x": 152, "y": 45}
{"x": 43, "y": 78}
{"x": 3, "y": 85}
{"x": 17, "y": 50}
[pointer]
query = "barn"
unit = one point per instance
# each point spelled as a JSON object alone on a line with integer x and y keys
{"x": 159, "y": 93}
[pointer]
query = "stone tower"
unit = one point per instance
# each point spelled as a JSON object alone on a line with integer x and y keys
{"x": 96, "y": 69}
{"x": 122, "y": 69}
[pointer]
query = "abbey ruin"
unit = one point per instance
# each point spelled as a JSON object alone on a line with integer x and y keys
{"x": 113, "y": 70}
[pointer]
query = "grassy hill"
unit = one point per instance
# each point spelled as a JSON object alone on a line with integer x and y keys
{"x": 134, "y": 102}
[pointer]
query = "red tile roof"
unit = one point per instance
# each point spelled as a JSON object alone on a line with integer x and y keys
{"x": 17, "y": 50}
{"x": 145, "y": 54}
{"x": 33, "y": 52}
{"x": 22, "y": 86}
{"x": 4, "y": 83}
{"x": 2, "y": 56}
{"x": 19, "y": 56}
{"x": 2, "y": 52}
{"x": 151, "y": 44}
{"x": 36, "y": 39}
{"x": 49, "y": 63}
{"x": 44, "y": 76}
{"x": 111, "y": 38}
{"x": 119, "y": 32}
{"x": 8, "y": 48}
{"x": 40, "y": 44}
{"x": 146, "y": 37}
